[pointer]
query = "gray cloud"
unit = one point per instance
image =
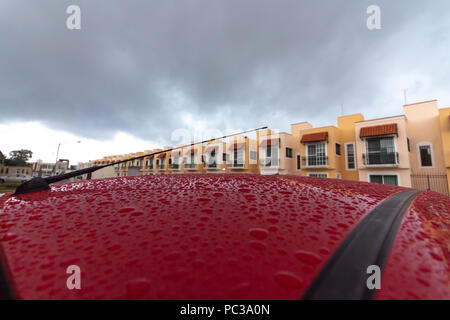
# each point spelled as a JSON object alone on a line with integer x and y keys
{"x": 139, "y": 66}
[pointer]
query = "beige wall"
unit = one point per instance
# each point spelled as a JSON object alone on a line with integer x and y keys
{"x": 333, "y": 161}
{"x": 220, "y": 148}
{"x": 286, "y": 165}
{"x": 7, "y": 170}
{"x": 444, "y": 119}
{"x": 423, "y": 127}
{"x": 403, "y": 169}
{"x": 107, "y": 172}
{"x": 346, "y": 125}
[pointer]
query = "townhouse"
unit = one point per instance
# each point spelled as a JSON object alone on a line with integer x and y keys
{"x": 382, "y": 151}
{"x": 216, "y": 157}
{"x": 410, "y": 150}
{"x": 276, "y": 151}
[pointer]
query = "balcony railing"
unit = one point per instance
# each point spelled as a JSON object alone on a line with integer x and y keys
{"x": 315, "y": 161}
{"x": 268, "y": 162}
{"x": 378, "y": 158}
{"x": 175, "y": 166}
{"x": 237, "y": 164}
{"x": 191, "y": 166}
{"x": 212, "y": 165}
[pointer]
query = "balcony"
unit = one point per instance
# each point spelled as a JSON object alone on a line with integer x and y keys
{"x": 175, "y": 166}
{"x": 237, "y": 165}
{"x": 211, "y": 166}
{"x": 380, "y": 159}
{"x": 315, "y": 162}
{"x": 190, "y": 166}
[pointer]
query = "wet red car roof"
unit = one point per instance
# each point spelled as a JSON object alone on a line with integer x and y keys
{"x": 210, "y": 237}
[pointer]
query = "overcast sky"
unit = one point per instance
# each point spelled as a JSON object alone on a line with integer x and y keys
{"x": 138, "y": 70}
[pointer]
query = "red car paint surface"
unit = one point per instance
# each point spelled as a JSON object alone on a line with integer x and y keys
{"x": 419, "y": 265}
{"x": 209, "y": 237}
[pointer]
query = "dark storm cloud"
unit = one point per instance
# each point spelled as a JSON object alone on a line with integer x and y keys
{"x": 139, "y": 66}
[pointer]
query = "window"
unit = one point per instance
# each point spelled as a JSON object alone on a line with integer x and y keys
{"x": 163, "y": 163}
{"x": 238, "y": 159}
{"x": 192, "y": 162}
{"x": 176, "y": 162}
{"x": 224, "y": 157}
{"x": 380, "y": 151}
{"x": 212, "y": 162}
{"x": 409, "y": 145}
{"x": 350, "y": 156}
{"x": 425, "y": 156}
{"x": 338, "y": 149}
{"x": 316, "y": 155}
{"x": 151, "y": 163}
{"x": 253, "y": 155}
{"x": 318, "y": 175}
{"x": 298, "y": 162}
{"x": 384, "y": 179}
{"x": 271, "y": 156}
{"x": 288, "y": 153}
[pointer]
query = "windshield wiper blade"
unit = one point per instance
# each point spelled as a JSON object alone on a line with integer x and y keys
{"x": 40, "y": 184}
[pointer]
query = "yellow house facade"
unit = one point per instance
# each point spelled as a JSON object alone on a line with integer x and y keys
{"x": 410, "y": 150}
{"x": 382, "y": 151}
{"x": 320, "y": 151}
{"x": 444, "y": 121}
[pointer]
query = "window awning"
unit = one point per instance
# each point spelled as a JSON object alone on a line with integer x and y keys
{"x": 380, "y": 130}
{"x": 236, "y": 145}
{"x": 211, "y": 148}
{"x": 188, "y": 151}
{"x": 315, "y": 137}
{"x": 161, "y": 155}
{"x": 269, "y": 142}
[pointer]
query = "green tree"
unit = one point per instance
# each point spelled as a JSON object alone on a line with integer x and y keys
{"x": 19, "y": 157}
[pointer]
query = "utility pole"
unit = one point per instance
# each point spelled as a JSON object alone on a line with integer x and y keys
{"x": 57, "y": 155}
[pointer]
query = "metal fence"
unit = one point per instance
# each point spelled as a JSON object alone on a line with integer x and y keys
{"x": 432, "y": 182}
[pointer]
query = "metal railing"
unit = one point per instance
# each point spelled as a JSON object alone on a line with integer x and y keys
{"x": 237, "y": 164}
{"x": 212, "y": 165}
{"x": 315, "y": 161}
{"x": 430, "y": 182}
{"x": 378, "y": 158}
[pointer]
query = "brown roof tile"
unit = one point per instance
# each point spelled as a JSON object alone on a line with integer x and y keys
{"x": 380, "y": 130}
{"x": 314, "y": 137}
